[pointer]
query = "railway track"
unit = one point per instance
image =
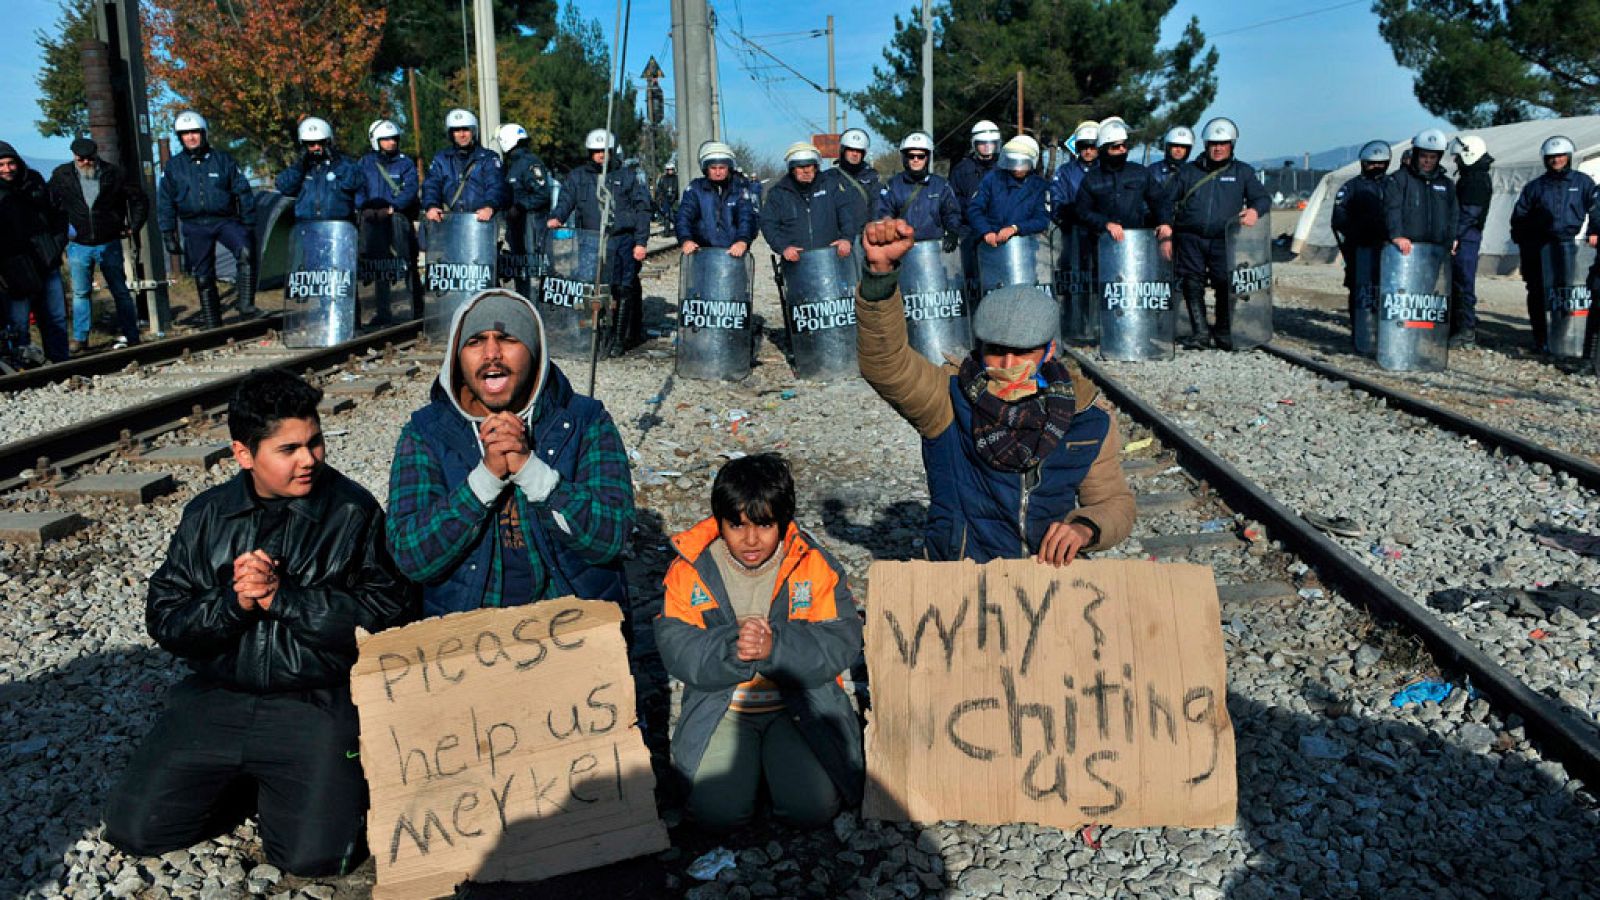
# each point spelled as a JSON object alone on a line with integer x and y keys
{"x": 1572, "y": 739}
{"x": 144, "y": 354}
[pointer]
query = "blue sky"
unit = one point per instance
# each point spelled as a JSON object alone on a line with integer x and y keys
{"x": 1307, "y": 84}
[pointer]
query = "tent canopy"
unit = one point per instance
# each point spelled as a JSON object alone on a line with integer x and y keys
{"x": 1515, "y": 149}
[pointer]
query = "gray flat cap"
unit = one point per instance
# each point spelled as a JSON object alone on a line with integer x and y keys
{"x": 1019, "y": 315}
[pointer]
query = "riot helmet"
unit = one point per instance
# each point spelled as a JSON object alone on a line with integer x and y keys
{"x": 713, "y": 153}
{"x": 1427, "y": 148}
{"x": 985, "y": 133}
{"x": 457, "y": 119}
{"x": 188, "y": 120}
{"x": 1375, "y": 157}
{"x": 854, "y": 139}
{"x": 1020, "y": 155}
{"x": 917, "y": 145}
{"x": 1220, "y": 130}
{"x": 1111, "y": 132}
{"x": 1556, "y": 145}
{"x": 509, "y": 135}
{"x": 1470, "y": 148}
{"x": 314, "y": 129}
{"x": 381, "y": 130}
{"x": 1178, "y": 136}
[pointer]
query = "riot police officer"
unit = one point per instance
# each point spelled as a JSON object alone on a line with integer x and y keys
{"x": 1552, "y": 209}
{"x": 1474, "y": 192}
{"x": 1084, "y": 147}
{"x": 324, "y": 182}
{"x": 1358, "y": 214}
{"x": 924, "y": 200}
{"x": 716, "y": 210}
{"x": 853, "y": 171}
{"x": 1012, "y": 200}
{"x": 1177, "y": 145}
{"x": 805, "y": 212}
{"x": 204, "y": 193}
{"x": 387, "y": 202}
{"x": 529, "y": 183}
{"x": 466, "y": 176}
{"x": 1201, "y": 202}
{"x": 1419, "y": 203}
{"x": 629, "y": 228}
{"x": 666, "y": 193}
{"x": 965, "y": 177}
{"x": 1117, "y": 193}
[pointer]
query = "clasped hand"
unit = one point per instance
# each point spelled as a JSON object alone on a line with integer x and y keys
{"x": 505, "y": 444}
{"x": 755, "y": 639}
{"x": 255, "y": 580}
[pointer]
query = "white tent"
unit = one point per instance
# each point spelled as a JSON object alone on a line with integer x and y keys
{"x": 1515, "y": 149}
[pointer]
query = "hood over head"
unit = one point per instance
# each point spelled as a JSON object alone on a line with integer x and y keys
{"x": 502, "y": 310}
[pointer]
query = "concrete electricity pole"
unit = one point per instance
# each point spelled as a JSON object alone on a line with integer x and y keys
{"x": 488, "y": 74}
{"x": 691, "y": 78}
{"x": 927, "y": 67}
{"x": 833, "y": 87}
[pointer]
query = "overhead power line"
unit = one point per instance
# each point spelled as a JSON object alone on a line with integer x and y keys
{"x": 1310, "y": 12}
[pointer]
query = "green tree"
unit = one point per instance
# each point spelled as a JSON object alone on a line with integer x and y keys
{"x": 575, "y": 68}
{"x": 1481, "y": 64}
{"x": 62, "y": 104}
{"x": 1081, "y": 59}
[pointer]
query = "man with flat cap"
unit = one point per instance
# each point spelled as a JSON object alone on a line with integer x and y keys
{"x": 1022, "y": 454}
{"x": 508, "y": 487}
{"x": 103, "y": 205}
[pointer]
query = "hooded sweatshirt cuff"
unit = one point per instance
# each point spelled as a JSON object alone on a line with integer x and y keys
{"x": 485, "y": 485}
{"x": 536, "y": 479}
{"x": 876, "y": 286}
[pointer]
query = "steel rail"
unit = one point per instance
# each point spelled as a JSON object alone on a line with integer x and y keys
{"x": 145, "y": 353}
{"x": 1564, "y": 735}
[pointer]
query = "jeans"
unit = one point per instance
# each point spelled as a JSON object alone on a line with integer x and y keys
{"x": 51, "y": 307}
{"x": 81, "y": 260}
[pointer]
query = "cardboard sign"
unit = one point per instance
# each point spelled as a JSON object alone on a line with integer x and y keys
{"x": 1016, "y": 692}
{"x": 502, "y": 745}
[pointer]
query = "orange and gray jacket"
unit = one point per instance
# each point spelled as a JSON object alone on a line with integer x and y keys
{"x": 816, "y": 635}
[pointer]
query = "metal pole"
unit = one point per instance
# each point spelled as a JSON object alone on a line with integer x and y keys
{"x": 619, "y": 46}
{"x": 1019, "y": 101}
{"x": 680, "y": 78}
{"x": 927, "y": 67}
{"x": 833, "y": 87}
{"x": 488, "y": 76}
{"x": 117, "y": 23}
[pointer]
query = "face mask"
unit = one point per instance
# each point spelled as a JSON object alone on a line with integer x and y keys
{"x": 1013, "y": 382}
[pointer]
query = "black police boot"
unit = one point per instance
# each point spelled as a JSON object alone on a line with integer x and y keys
{"x": 1194, "y": 299}
{"x": 210, "y": 305}
{"x": 1466, "y": 337}
{"x": 244, "y": 291}
{"x": 633, "y": 321}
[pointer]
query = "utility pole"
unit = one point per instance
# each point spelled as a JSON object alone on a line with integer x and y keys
{"x": 927, "y": 67}
{"x": 1019, "y": 101}
{"x": 691, "y": 78}
{"x": 488, "y": 75}
{"x": 416, "y": 123}
{"x": 716, "y": 77}
{"x": 833, "y": 87}
{"x": 116, "y": 23}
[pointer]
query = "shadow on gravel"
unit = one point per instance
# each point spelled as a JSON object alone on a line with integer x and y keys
{"x": 1330, "y": 805}
{"x": 69, "y": 731}
{"x": 891, "y": 533}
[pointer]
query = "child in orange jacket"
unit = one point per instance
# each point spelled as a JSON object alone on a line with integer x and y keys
{"x": 758, "y": 623}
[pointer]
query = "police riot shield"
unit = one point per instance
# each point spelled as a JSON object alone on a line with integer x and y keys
{"x": 461, "y": 261}
{"x": 572, "y": 263}
{"x": 1364, "y": 288}
{"x": 820, "y": 314}
{"x": 1567, "y": 299}
{"x": 1414, "y": 308}
{"x": 1025, "y": 259}
{"x": 1138, "y": 317}
{"x": 319, "y": 294}
{"x": 936, "y": 312}
{"x": 716, "y": 337}
{"x": 1075, "y": 285}
{"x": 1249, "y": 285}
{"x": 388, "y": 258}
{"x": 522, "y": 260}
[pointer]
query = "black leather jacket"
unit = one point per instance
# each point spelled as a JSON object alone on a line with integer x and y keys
{"x": 335, "y": 574}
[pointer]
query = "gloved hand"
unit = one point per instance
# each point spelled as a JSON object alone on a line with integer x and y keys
{"x": 952, "y": 242}
{"x": 169, "y": 239}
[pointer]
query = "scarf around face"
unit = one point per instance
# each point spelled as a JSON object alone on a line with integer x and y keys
{"x": 1015, "y": 435}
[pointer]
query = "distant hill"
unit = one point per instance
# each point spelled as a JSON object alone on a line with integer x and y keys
{"x": 1327, "y": 160}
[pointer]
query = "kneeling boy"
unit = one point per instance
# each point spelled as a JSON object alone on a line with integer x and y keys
{"x": 265, "y": 582}
{"x": 758, "y": 624}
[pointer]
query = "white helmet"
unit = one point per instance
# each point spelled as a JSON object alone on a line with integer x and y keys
{"x": 985, "y": 132}
{"x": 1084, "y": 134}
{"x": 460, "y": 118}
{"x": 1220, "y": 130}
{"x": 917, "y": 140}
{"x": 383, "y": 129}
{"x": 1470, "y": 148}
{"x": 600, "y": 139}
{"x": 801, "y": 153}
{"x": 1178, "y": 136}
{"x": 1021, "y": 152}
{"x": 314, "y": 129}
{"x": 671, "y": 166}
{"x": 510, "y": 135}
{"x": 1430, "y": 139}
{"x": 1111, "y": 132}
{"x": 188, "y": 120}
{"x": 1376, "y": 151}
{"x": 1557, "y": 145}
{"x": 854, "y": 139}
{"x": 713, "y": 152}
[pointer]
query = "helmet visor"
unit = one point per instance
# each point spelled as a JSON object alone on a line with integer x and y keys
{"x": 1013, "y": 162}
